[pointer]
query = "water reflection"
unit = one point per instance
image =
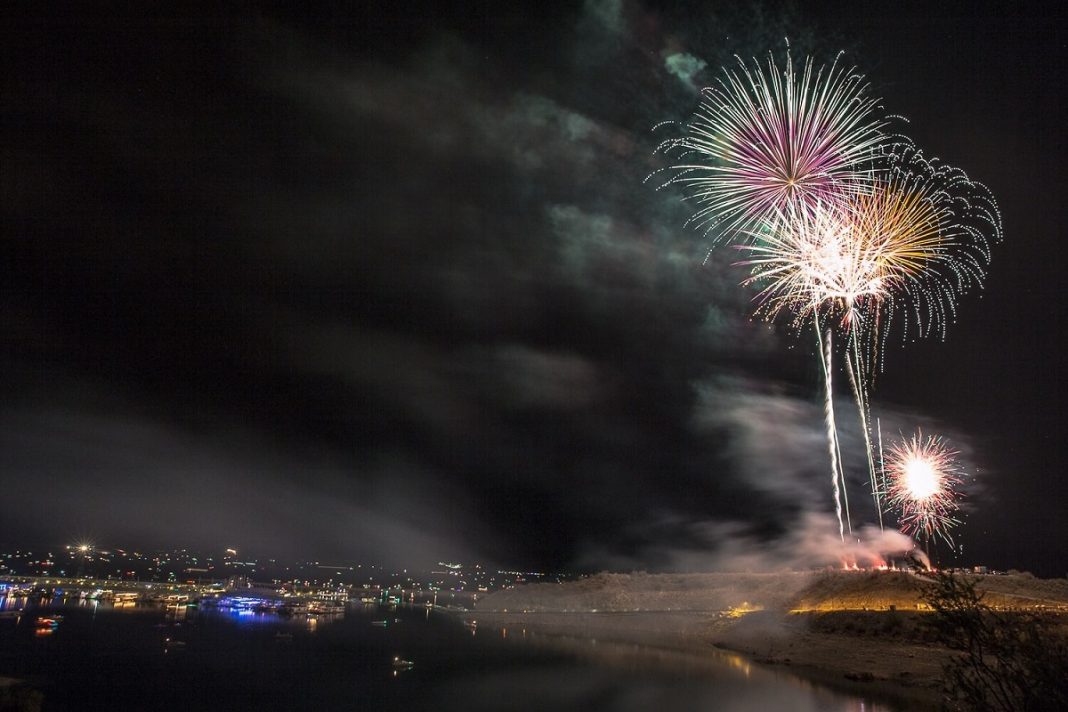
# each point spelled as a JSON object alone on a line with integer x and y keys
{"x": 712, "y": 680}
{"x": 189, "y": 657}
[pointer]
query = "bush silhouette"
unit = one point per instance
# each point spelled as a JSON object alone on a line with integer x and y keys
{"x": 1007, "y": 661}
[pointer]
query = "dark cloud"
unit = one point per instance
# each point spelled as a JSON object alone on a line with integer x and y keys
{"x": 389, "y": 286}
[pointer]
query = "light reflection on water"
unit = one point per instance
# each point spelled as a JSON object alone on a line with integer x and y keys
{"x": 188, "y": 658}
{"x": 656, "y": 678}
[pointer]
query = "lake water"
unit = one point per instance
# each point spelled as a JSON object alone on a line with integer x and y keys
{"x": 146, "y": 658}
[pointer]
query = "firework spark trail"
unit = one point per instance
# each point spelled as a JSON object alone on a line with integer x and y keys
{"x": 763, "y": 139}
{"x": 922, "y": 477}
{"x": 832, "y": 431}
{"x": 837, "y": 448}
{"x": 861, "y": 398}
{"x": 882, "y": 467}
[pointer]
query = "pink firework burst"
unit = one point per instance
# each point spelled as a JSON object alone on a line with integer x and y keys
{"x": 764, "y": 139}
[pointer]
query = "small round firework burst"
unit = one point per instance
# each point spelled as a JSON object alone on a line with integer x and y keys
{"x": 922, "y": 479}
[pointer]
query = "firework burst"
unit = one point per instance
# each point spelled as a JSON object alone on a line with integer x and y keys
{"x": 765, "y": 140}
{"x": 914, "y": 242}
{"x": 845, "y": 260}
{"x": 922, "y": 478}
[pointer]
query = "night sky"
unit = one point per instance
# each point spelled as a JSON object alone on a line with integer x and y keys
{"x": 386, "y": 284}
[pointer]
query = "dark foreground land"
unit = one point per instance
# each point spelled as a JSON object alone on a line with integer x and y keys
{"x": 847, "y": 629}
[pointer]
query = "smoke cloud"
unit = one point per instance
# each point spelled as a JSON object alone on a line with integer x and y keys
{"x": 405, "y": 298}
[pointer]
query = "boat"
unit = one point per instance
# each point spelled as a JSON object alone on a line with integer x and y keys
{"x": 402, "y": 664}
{"x": 50, "y": 622}
{"x": 380, "y": 624}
